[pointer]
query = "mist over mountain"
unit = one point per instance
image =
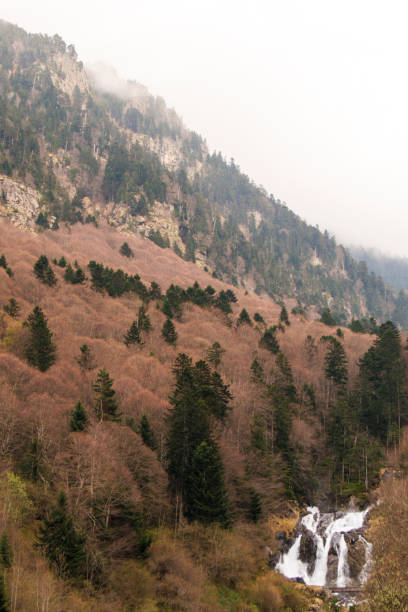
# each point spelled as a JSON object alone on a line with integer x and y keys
{"x": 185, "y": 367}
{"x": 393, "y": 269}
{"x": 98, "y": 148}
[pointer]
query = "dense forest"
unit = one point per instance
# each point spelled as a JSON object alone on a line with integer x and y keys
{"x": 94, "y": 155}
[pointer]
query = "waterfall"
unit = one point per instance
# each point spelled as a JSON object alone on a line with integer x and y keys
{"x": 342, "y": 567}
{"x": 325, "y": 533}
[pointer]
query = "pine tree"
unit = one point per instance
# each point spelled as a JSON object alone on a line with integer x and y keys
{"x": 44, "y": 272}
{"x": 244, "y": 318}
{"x": 269, "y": 341}
{"x": 132, "y": 336}
{"x": 143, "y": 320}
{"x": 61, "y": 543}
{"x": 126, "y": 250}
{"x": 258, "y": 318}
{"x": 169, "y": 332}
{"x": 255, "y": 508}
{"x": 86, "y": 360}
{"x": 6, "y": 554}
{"x": 283, "y": 317}
{"x": 206, "y": 497}
{"x": 40, "y": 351}
{"x": 12, "y": 308}
{"x": 79, "y": 418}
{"x": 146, "y": 432}
{"x": 106, "y": 406}
{"x": 336, "y": 364}
{"x": 4, "y": 603}
{"x": 327, "y": 317}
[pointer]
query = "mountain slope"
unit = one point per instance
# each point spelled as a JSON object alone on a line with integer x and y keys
{"x": 92, "y": 154}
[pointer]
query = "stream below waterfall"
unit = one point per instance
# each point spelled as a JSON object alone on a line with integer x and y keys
{"x": 329, "y": 550}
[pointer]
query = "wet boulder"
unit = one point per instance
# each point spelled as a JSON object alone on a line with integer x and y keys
{"x": 356, "y": 556}
{"x": 307, "y": 550}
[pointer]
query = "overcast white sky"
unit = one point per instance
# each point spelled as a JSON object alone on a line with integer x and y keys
{"x": 310, "y": 97}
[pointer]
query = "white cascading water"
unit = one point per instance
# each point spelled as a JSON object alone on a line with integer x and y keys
{"x": 327, "y": 533}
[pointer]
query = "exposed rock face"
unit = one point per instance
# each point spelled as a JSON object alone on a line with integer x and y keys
{"x": 19, "y": 203}
{"x": 356, "y": 555}
{"x": 307, "y": 550}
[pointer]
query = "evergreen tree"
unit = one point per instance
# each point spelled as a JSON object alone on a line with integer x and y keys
{"x": 132, "y": 336}
{"x": 44, "y": 272}
{"x": 40, "y": 350}
{"x": 383, "y": 384}
{"x": 146, "y": 432}
{"x": 255, "y": 508}
{"x": 336, "y": 363}
{"x": 62, "y": 262}
{"x": 75, "y": 277}
{"x": 6, "y": 554}
{"x": 327, "y": 318}
{"x": 79, "y": 418}
{"x": 169, "y": 332}
{"x": 125, "y": 250}
{"x": 61, "y": 543}
{"x": 206, "y": 497}
{"x": 143, "y": 320}
{"x": 283, "y": 317}
{"x": 106, "y": 406}
{"x": 258, "y": 318}
{"x": 86, "y": 360}
{"x": 258, "y": 437}
{"x": 214, "y": 354}
{"x": 3, "y": 264}
{"x": 269, "y": 341}
{"x": 244, "y": 318}
{"x": 4, "y": 602}
{"x": 12, "y": 308}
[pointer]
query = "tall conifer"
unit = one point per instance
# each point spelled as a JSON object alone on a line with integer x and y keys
{"x": 40, "y": 351}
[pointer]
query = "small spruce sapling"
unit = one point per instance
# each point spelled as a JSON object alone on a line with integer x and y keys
{"x": 125, "y": 250}
{"x": 169, "y": 332}
{"x": 244, "y": 318}
{"x": 79, "y": 418}
{"x": 86, "y": 360}
{"x": 12, "y": 308}
{"x": 132, "y": 336}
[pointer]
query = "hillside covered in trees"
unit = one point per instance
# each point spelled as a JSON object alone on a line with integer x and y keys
{"x": 73, "y": 153}
{"x": 158, "y": 427}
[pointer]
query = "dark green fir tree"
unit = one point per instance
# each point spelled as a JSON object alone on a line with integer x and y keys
{"x": 79, "y": 418}
{"x": 244, "y": 318}
{"x": 86, "y": 360}
{"x": 12, "y": 308}
{"x": 283, "y": 317}
{"x": 255, "y": 506}
{"x": 44, "y": 272}
{"x": 206, "y": 497}
{"x": 106, "y": 406}
{"x": 125, "y": 250}
{"x": 6, "y": 554}
{"x": 63, "y": 546}
{"x": 146, "y": 432}
{"x": 132, "y": 336}
{"x": 40, "y": 350}
{"x": 169, "y": 332}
